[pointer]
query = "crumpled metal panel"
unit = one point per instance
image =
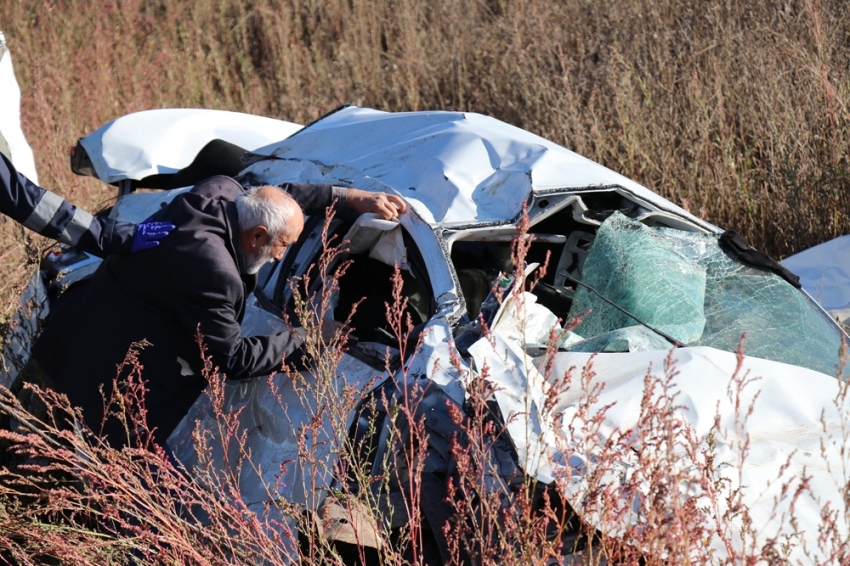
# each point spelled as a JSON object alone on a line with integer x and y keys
{"x": 433, "y": 360}
{"x": 453, "y": 168}
{"x": 521, "y": 395}
{"x": 274, "y": 416}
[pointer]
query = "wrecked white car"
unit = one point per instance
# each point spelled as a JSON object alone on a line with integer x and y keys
{"x": 644, "y": 275}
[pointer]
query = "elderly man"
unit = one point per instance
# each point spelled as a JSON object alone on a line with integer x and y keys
{"x": 197, "y": 279}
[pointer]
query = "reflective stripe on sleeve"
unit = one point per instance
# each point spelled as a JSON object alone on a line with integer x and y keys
{"x": 79, "y": 225}
{"x": 44, "y": 212}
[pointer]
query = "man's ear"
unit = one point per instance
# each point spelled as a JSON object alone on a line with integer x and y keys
{"x": 258, "y": 237}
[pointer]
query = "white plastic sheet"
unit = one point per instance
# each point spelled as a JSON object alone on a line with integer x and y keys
{"x": 164, "y": 141}
{"x": 824, "y": 272}
{"x": 13, "y": 144}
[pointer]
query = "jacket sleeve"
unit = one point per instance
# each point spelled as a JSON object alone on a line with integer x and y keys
{"x": 313, "y": 198}
{"x": 50, "y": 215}
{"x": 211, "y": 307}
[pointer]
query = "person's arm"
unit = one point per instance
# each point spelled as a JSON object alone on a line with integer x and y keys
{"x": 50, "y": 215}
{"x": 315, "y": 198}
{"x": 210, "y": 307}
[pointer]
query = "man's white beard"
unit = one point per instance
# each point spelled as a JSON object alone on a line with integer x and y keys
{"x": 255, "y": 264}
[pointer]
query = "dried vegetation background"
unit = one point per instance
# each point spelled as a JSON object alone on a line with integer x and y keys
{"x": 737, "y": 110}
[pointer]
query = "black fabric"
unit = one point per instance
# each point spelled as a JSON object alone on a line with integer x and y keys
{"x": 195, "y": 279}
{"x": 313, "y": 199}
{"x": 735, "y": 244}
{"x": 218, "y": 157}
{"x": 48, "y": 421}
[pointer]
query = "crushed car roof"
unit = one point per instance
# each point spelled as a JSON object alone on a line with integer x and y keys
{"x": 455, "y": 168}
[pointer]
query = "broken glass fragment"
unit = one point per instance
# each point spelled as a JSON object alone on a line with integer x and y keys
{"x": 634, "y": 266}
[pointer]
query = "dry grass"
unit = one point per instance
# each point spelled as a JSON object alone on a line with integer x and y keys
{"x": 738, "y": 110}
{"x": 66, "y": 497}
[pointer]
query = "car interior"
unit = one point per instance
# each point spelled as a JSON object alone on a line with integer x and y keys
{"x": 561, "y": 241}
{"x": 365, "y": 286}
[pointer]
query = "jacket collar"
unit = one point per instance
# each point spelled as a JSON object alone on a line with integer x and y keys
{"x": 235, "y": 244}
{"x": 233, "y": 239}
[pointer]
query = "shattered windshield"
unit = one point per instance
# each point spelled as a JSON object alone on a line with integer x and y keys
{"x": 687, "y": 286}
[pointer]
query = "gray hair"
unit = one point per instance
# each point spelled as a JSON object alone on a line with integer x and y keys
{"x": 255, "y": 209}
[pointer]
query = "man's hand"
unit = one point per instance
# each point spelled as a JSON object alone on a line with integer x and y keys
{"x": 386, "y": 205}
{"x": 149, "y": 233}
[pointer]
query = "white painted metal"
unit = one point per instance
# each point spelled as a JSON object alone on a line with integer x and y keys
{"x": 454, "y": 168}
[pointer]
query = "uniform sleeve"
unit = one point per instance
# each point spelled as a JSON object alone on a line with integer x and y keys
{"x": 211, "y": 307}
{"x": 50, "y": 215}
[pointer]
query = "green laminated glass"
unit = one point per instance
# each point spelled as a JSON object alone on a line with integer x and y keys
{"x": 781, "y": 323}
{"x": 633, "y": 267}
{"x": 628, "y": 339}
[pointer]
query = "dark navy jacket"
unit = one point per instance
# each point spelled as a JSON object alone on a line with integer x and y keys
{"x": 195, "y": 279}
{"x": 52, "y": 216}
